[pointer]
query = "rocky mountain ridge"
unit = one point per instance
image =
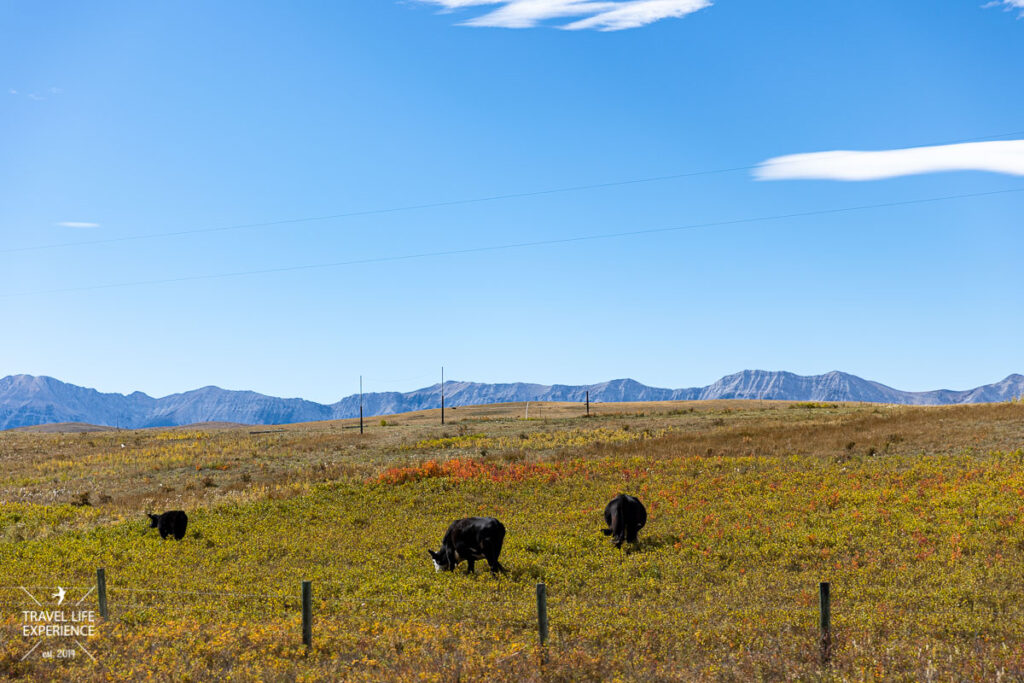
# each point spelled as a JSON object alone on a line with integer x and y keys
{"x": 27, "y": 400}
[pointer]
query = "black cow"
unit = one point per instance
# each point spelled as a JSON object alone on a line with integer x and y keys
{"x": 470, "y": 539}
{"x": 170, "y": 523}
{"x": 625, "y": 517}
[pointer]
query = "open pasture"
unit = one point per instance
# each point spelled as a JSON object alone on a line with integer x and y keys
{"x": 913, "y": 514}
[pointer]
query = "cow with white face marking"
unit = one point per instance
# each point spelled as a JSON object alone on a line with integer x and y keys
{"x": 470, "y": 539}
{"x": 625, "y": 517}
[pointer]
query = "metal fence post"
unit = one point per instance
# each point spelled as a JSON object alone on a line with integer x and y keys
{"x": 101, "y": 591}
{"x": 825, "y": 608}
{"x": 542, "y": 619}
{"x": 307, "y": 613}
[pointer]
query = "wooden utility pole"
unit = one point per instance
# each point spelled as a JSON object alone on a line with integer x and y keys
{"x": 588, "y": 404}
{"x": 360, "y": 404}
{"x": 442, "y": 394}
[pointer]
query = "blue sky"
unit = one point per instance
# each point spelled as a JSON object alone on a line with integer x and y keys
{"x": 137, "y": 119}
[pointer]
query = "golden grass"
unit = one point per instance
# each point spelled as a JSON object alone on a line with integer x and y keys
{"x": 914, "y": 514}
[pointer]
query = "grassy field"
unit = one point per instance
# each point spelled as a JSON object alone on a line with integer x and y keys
{"x": 913, "y": 514}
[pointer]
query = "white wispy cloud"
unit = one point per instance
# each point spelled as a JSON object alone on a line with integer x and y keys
{"x": 78, "y": 224}
{"x": 1005, "y": 156}
{"x": 600, "y": 15}
{"x": 1008, "y": 5}
{"x": 52, "y": 91}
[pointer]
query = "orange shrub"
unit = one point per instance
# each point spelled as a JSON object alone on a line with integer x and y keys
{"x": 461, "y": 469}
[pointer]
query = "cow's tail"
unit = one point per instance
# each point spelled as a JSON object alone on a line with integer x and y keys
{"x": 617, "y": 528}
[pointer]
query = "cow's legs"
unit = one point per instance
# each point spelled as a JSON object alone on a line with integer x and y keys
{"x": 469, "y": 566}
{"x": 495, "y": 565}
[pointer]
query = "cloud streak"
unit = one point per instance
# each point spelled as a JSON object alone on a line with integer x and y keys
{"x": 1007, "y": 5}
{"x": 78, "y": 224}
{"x": 35, "y": 96}
{"x": 1005, "y": 156}
{"x": 599, "y": 15}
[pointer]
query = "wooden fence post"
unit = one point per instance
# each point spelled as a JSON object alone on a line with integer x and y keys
{"x": 825, "y": 608}
{"x": 101, "y": 591}
{"x": 542, "y": 619}
{"x": 307, "y": 613}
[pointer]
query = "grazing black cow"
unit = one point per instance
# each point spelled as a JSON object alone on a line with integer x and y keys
{"x": 470, "y": 539}
{"x": 170, "y": 523}
{"x": 625, "y": 517}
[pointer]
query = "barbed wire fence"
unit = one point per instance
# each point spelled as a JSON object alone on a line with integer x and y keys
{"x": 538, "y": 612}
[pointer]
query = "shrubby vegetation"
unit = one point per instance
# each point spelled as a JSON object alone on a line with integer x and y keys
{"x": 918, "y": 525}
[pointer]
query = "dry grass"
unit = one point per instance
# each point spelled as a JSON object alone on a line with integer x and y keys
{"x": 126, "y": 472}
{"x": 913, "y": 513}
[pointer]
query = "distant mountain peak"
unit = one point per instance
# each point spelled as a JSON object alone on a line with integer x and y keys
{"x": 27, "y": 400}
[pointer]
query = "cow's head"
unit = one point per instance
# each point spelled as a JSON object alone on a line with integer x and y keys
{"x": 443, "y": 562}
{"x": 153, "y": 520}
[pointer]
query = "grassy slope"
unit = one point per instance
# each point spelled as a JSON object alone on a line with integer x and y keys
{"x": 750, "y": 507}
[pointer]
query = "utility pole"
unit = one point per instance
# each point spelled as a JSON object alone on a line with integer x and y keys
{"x": 442, "y": 394}
{"x": 360, "y": 404}
{"x": 588, "y": 403}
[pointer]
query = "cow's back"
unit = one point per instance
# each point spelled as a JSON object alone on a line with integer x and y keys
{"x": 174, "y": 523}
{"x": 477, "y": 535}
{"x": 625, "y": 515}
{"x": 474, "y": 528}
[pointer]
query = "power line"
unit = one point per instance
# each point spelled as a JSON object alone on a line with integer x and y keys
{"x": 519, "y": 245}
{"x": 374, "y": 212}
{"x": 433, "y": 205}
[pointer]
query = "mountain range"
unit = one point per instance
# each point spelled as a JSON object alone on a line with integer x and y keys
{"x": 27, "y": 400}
